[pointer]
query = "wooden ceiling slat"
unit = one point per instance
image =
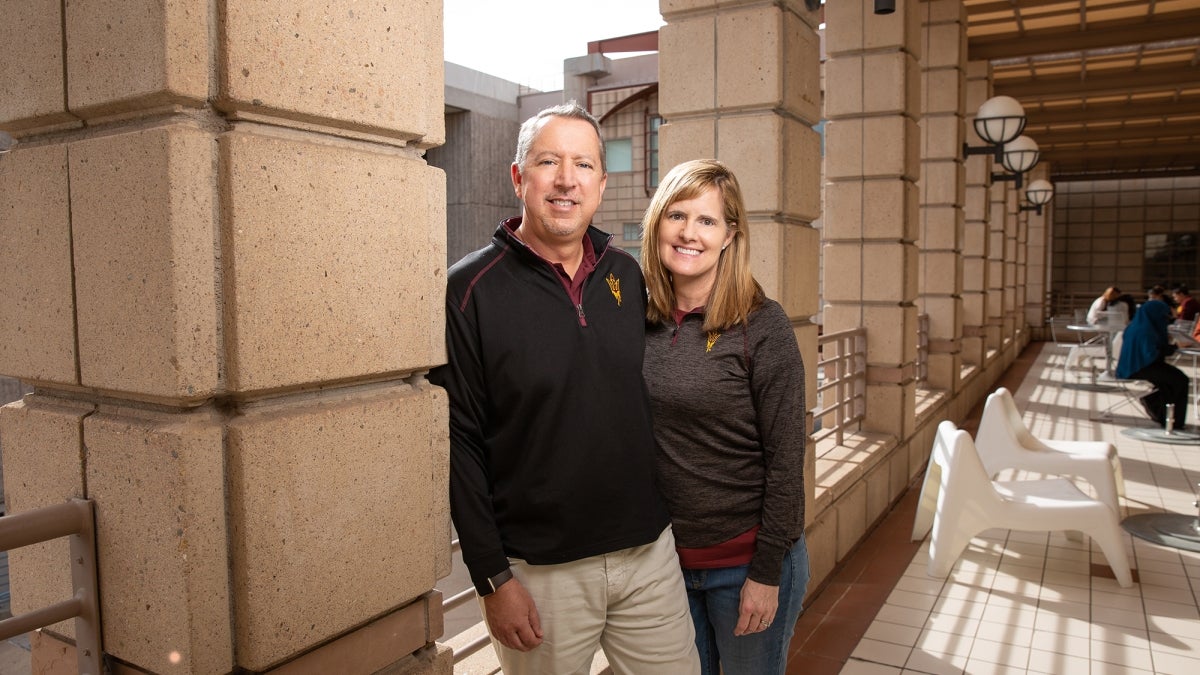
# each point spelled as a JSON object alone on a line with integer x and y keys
{"x": 1179, "y": 153}
{"x": 1118, "y": 111}
{"x": 1050, "y": 139}
{"x": 1071, "y": 86}
{"x": 1111, "y": 87}
{"x": 1159, "y": 28}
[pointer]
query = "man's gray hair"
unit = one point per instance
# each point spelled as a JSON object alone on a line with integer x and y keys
{"x": 534, "y": 124}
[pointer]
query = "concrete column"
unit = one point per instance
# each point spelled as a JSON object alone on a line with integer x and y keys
{"x": 872, "y": 152}
{"x": 998, "y": 280}
{"x": 1012, "y": 265}
{"x": 223, "y": 259}
{"x": 742, "y": 84}
{"x": 942, "y": 185}
{"x": 976, "y": 215}
{"x": 1037, "y": 267}
{"x": 1020, "y": 328}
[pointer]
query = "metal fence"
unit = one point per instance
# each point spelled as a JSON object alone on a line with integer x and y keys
{"x": 75, "y": 519}
{"x": 842, "y": 385}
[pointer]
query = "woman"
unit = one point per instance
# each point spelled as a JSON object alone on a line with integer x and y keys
{"x": 727, "y": 389}
{"x": 1145, "y": 344}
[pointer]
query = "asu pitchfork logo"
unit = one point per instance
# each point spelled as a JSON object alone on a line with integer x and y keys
{"x": 614, "y": 285}
{"x": 712, "y": 340}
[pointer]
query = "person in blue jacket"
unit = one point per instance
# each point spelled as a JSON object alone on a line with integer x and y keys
{"x": 1145, "y": 346}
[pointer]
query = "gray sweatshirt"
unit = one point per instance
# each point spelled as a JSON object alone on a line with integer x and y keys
{"x": 729, "y": 419}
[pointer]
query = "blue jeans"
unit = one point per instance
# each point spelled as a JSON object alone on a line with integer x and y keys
{"x": 714, "y": 596}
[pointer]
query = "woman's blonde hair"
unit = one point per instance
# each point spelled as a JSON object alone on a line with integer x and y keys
{"x": 735, "y": 293}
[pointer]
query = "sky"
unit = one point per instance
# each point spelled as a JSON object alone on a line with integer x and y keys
{"x": 525, "y": 41}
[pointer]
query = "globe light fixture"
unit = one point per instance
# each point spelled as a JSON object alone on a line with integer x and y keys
{"x": 999, "y": 120}
{"x": 1039, "y": 194}
{"x": 1019, "y": 155}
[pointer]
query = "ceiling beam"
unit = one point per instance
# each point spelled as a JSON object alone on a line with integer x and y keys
{"x": 1114, "y": 111}
{"x": 1082, "y": 172}
{"x": 1158, "y": 28}
{"x": 1048, "y": 138}
{"x": 1122, "y": 82}
{"x": 1162, "y": 155}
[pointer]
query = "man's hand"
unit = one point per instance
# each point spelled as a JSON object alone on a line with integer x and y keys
{"x": 512, "y": 617}
{"x": 757, "y": 608}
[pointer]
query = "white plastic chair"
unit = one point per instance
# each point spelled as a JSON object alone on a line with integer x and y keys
{"x": 1004, "y": 442}
{"x": 1081, "y": 353}
{"x": 958, "y": 501}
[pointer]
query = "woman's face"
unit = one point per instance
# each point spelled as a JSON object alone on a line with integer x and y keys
{"x": 691, "y": 235}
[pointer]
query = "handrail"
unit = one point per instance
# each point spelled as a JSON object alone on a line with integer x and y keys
{"x": 843, "y": 393}
{"x": 922, "y": 348}
{"x": 75, "y": 519}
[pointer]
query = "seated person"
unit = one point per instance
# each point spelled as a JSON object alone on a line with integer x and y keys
{"x": 1096, "y": 312}
{"x": 1125, "y": 300}
{"x": 1186, "y": 307}
{"x": 1144, "y": 349}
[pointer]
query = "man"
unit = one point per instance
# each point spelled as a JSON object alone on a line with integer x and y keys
{"x": 551, "y": 450}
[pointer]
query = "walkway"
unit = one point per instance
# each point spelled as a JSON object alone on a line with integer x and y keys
{"x": 1021, "y": 602}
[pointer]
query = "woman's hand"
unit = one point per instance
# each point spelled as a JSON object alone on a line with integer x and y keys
{"x": 757, "y": 608}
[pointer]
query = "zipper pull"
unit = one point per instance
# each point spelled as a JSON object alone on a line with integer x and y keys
{"x": 579, "y": 310}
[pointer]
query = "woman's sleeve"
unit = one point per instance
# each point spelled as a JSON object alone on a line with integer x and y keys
{"x": 777, "y": 388}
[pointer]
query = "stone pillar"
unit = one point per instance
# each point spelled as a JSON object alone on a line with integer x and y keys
{"x": 976, "y": 214}
{"x": 942, "y": 185}
{"x": 871, "y": 218}
{"x": 1037, "y": 311}
{"x": 997, "y": 281}
{"x": 1021, "y": 280}
{"x": 222, "y": 257}
{"x": 751, "y": 102}
{"x": 1012, "y": 266}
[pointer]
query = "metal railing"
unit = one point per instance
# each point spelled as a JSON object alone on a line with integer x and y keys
{"x": 1064, "y": 304}
{"x": 75, "y": 519}
{"x": 842, "y": 391}
{"x": 922, "y": 348}
{"x": 457, "y": 600}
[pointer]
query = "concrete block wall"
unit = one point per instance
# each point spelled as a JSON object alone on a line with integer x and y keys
{"x": 943, "y": 186}
{"x": 752, "y": 104}
{"x": 976, "y": 216}
{"x": 479, "y": 192}
{"x": 1101, "y": 228}
{"x": 870, "y": 251}
{"x": 225, "y": 253}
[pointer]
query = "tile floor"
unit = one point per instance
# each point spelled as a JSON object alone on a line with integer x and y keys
{"x": 1021, "y": 602}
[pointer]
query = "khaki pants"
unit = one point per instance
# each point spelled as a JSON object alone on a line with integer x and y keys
{"x": 632, "y": 603}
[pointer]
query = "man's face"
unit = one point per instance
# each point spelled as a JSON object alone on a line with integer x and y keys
{"x": 561, "y": 182}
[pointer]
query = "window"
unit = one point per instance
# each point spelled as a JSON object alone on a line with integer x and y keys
{"x": 1171, "y": 259}
{"x": 619, "y": 155}
{"x": 635, "y": 251}
{"x": 652, "y": 152}
{"x": 633, "y": 231}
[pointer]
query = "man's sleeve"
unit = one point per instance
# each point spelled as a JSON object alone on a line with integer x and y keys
{"x": 470, "y": 485}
